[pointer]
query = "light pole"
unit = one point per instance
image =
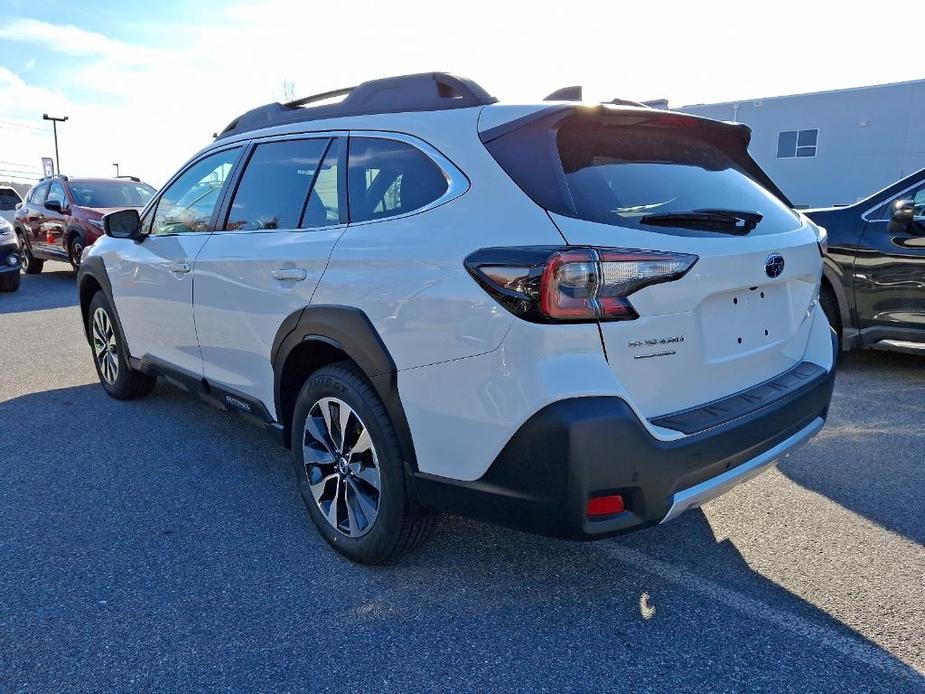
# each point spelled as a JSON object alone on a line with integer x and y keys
{"x": 54, "y": 126}
{"x": 116, "y": 164}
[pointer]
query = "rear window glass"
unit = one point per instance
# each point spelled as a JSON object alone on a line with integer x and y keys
{"x": 618, "y": 175}
{"x": 8, "y": 199}
{"x": 111, "y": 193}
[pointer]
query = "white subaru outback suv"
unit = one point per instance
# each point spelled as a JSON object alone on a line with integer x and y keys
{"x": 572, "y": 319}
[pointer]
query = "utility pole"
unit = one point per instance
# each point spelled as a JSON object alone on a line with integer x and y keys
{"x": 54, "y": 126}
{"x": 116, "y": 164}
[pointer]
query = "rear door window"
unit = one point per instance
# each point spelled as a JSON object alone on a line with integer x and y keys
{"x": 274, "y": 189}
{"x": 323, "y": 207}
{"x": 388, "y": 178}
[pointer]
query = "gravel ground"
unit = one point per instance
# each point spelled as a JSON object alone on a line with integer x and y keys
{"x": 161, "y": 545}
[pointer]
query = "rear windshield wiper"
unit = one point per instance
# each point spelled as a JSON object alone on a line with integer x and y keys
{"x": 726, "y": 221}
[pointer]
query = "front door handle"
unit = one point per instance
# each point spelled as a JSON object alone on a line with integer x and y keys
{"x": 290, "y": 273}
{"x": 180, "y": 268}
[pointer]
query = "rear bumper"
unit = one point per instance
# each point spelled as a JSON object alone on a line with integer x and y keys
{"x": 576, "y": 449}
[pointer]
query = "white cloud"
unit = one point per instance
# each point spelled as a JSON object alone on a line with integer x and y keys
{"x": 72, "y": 40}
{"x": 8, "y": 78}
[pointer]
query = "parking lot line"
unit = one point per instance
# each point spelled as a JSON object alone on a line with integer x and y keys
{"x": 847, "y": 646}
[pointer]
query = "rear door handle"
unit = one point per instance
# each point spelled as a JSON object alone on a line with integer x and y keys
{"x": 290, "y": 273}
{"x": 180, "y": 268}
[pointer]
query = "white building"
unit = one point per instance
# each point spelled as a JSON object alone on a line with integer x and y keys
{"x": 835, "y": 147}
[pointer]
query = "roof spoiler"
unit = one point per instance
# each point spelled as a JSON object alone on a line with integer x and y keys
{"x": 733, "y": 137}
{"x": 427, "y": 91}
{"x": 574, "y": 93}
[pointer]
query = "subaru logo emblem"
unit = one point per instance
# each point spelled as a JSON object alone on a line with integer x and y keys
{"x": 774, "y": 265}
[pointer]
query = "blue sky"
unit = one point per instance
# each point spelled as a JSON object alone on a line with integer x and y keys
{"x": 145, "y": 84}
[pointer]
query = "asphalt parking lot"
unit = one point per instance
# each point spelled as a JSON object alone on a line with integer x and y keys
{"x": 161, "y": 545}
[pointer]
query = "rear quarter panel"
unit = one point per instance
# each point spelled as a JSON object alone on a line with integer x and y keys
{"x": 407, "y": 274}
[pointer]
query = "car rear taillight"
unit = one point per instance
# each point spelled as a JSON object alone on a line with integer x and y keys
{"x": 549, "y": 284}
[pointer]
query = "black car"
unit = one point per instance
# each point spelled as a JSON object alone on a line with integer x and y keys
{"x": 873, "y": 289}
{"x": 10, "y": 259}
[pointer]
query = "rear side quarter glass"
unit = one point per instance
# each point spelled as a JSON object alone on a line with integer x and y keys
{"x": 387, "y": 178}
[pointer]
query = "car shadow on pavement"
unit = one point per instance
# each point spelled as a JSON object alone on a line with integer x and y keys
{"x": 870, "y": 457}
{"x": 170, "y": 537}
{"x": 54, "y": 287}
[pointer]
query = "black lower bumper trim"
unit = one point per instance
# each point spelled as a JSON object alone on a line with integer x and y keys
{"x": 719, "y": 412}
{"x": 574, "y": 449}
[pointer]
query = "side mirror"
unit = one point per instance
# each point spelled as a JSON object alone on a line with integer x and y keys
{"x": 18, "y": 205}
{"x": 124, "y": 224}
{"x": 54, "y": 206}
{"x": 902, "y": 214}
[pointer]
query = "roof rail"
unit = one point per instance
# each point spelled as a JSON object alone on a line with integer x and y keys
{"x": 135, "y": 179}
{"x": 427, "y": 91}
{"x": 48, "y": 178}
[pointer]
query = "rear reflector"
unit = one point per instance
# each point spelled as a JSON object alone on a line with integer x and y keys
{"x": 605, "y": 505}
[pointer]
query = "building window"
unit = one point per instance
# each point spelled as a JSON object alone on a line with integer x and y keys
{"x": 797, "y": 143}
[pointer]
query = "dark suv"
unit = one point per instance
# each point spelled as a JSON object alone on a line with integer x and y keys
{"x": 61, "y": 216}
{"x": 873, "y": 290}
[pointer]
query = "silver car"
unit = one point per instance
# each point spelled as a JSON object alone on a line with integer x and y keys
{"x": 9, "y": 198}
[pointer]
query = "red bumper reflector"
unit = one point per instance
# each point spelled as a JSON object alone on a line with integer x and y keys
{"x": 605, "y": 505}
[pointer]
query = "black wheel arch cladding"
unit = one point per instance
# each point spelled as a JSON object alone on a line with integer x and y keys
{"x": 91, "y": 278}
{"x": 348, "y": 330}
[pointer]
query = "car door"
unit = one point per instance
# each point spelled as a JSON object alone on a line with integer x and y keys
{"x": 890, "y": 276}
{"x": 53, "y": 223}
{"x": 32, "y": 217}
{"x": 152, "y": 281}
{"x": 265, "y": 259}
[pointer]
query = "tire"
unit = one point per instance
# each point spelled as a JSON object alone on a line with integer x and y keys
{"x": 30, "y": 265}
{"x": 110, "y": 358}
{"x": 9, "y": 281}
{"x": 829, "y": 303}
{"x": 367, "y": 524}
{"x": 75, "y": 247}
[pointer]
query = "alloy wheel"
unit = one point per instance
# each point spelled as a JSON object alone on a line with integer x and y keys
{"x": 77, "y": 249}
{"x": 105, "y": 347}
{"x": 23, "y": 253}
{"x": 341, "y": 467}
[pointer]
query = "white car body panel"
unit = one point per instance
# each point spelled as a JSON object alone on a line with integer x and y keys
{"x": 153, "y": 298}
{"x": 239, "y": 304}
{"x": 727, "y": 295}
{"x": 407, "y": 273}
{"x": 459, "y": 436}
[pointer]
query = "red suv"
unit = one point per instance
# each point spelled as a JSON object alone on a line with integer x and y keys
{"x": 61, "y": 216}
